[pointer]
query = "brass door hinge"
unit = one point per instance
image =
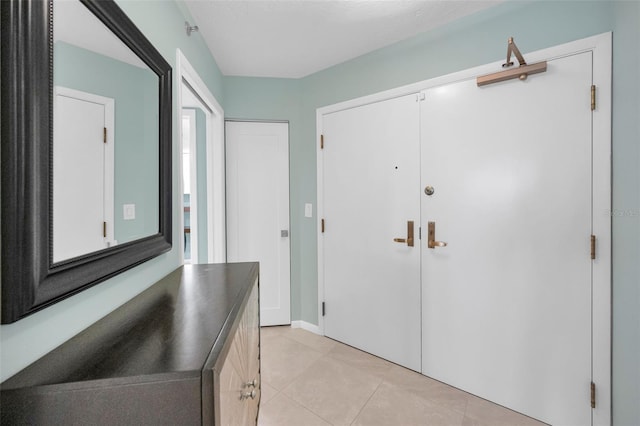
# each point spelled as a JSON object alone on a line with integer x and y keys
{"x": 104, "y": 135}
{"x": 321, "y": 141}
{"x": 593, "y": 395}
{"x": 593, "y": 97}
{"x": 104, "y": 229}
{"x": 322, "y": 226}
{"x": 593, "y": 247}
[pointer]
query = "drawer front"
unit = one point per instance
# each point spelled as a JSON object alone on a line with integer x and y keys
{"x": 239, "y": 377}
{"x": 252, "y": 314}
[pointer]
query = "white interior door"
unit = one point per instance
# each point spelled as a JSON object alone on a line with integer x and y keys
{"x": 258, "y": 210}
{"x": 79, "y": 178}
{"x": 507, "y": 303}
{"x": 371, "y": 191}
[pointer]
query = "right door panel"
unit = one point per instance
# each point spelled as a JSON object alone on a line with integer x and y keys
{"x": 510, "y": 165}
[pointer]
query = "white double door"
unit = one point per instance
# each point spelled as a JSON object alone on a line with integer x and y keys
{"x": 504, "y": 309}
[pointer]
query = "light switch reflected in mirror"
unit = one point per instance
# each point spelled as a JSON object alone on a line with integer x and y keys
{"x": 105, "y": 140}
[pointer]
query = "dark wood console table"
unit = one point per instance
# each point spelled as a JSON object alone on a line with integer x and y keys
{"x": 185, "y": 351}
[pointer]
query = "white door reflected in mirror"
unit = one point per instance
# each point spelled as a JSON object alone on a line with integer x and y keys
{"x": 83, "y": 173}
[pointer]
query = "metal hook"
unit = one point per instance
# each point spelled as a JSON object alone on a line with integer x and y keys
{"x": 190, "y": 29}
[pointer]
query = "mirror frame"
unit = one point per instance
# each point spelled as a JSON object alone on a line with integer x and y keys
{"x": 30, "y": 279}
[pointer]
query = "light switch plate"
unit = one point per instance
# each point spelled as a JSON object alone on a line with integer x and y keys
{"x": 308, "y": 210}
{"x": 128, "y": 211}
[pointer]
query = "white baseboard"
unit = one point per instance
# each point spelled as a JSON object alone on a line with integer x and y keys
{"x": 306, "y": 326}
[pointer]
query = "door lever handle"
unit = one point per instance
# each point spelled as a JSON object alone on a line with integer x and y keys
{"x": 409, "y": 239}
{"x": 431, "y": 237}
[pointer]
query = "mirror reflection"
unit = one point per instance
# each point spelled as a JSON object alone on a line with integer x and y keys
{"x": 106, "y": 137}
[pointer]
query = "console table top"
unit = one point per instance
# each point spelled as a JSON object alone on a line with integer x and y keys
{"x": 174, "y": 328}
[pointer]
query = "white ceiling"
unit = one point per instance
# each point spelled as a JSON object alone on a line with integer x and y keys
{"x": 73, "y": 23}
{"x": 295, "y": 38}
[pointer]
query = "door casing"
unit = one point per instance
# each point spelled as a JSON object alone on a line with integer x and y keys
{"x": 216, "y": 219}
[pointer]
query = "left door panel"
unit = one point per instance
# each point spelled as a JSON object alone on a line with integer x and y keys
{"x": 370, "y": 244}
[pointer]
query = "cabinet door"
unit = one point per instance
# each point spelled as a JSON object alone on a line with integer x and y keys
{"x": 232, "y": 406}
{"x": 238, "y": 390}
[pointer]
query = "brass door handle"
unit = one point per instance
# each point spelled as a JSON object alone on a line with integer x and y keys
{"x": 409, "y": 239}
{"x": 431, "y": 237}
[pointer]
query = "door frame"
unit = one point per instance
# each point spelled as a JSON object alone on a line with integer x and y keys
{"x": 109, "y": 152}
{"x": 216, "y": 219}
{"x": 601, "y": 48}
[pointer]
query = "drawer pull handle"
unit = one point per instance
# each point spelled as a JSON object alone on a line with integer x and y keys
{"x": 251, "y": 384}
{"x": 247, "y": 395}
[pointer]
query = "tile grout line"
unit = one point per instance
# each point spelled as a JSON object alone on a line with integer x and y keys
{"x": 310, "y": 347}
{"x": 304, "y": 407}
{"x": 300, "y": 404}
{"x": 367, "y": 401}
{"x": 327, "y": 355}
{"x": 299, "y": 374}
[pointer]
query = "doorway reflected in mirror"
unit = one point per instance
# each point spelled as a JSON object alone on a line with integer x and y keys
{"x": 196, "y": 233}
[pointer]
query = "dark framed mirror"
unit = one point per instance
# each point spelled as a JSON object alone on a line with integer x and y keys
{"x": 43, "y": 203}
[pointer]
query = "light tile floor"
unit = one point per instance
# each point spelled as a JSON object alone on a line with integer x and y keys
{"x": 310, "y": 380}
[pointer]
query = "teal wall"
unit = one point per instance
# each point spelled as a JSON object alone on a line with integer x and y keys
{"x": 23, "y": 342}
{"x": 280, "y": 99}
{"x": 626, "y": 213}
{"x": 135, "y": 92}
{"x": 474, "y": 40}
